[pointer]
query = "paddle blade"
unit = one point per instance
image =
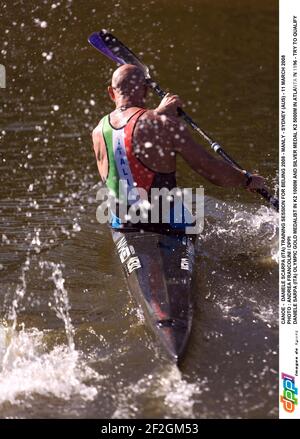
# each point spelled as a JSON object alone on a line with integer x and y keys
{"x": 97, "y": 41}
{"x": 111, "y": 47}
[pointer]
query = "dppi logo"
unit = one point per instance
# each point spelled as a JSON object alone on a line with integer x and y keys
{"x": 288, "y": 398}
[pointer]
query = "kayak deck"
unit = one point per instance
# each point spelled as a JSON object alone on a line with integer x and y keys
{"x": 159, "y": 271}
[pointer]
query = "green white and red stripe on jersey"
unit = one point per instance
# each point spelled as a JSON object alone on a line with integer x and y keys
{"x": 125, "y": 172}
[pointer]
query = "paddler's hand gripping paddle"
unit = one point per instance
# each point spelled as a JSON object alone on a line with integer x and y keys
{"x": 111, "y": 47}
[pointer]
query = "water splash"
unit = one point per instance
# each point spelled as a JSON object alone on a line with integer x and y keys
{"x": 27, "y": 366}
{"x": 61, "y": 299}
{"x": 173, "y": 395}
{"x": 12, "y": 315}
{"x": 177, "y": 393}
{"x": 30, "y": 368}
{"x": 235, "y": 231}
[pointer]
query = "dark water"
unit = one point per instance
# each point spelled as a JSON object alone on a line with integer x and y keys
{"x": 72, "y": 343}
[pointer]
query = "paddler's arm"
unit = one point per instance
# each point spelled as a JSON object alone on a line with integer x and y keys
{"x": 213, "y": 169}
{"x": 99, "y": 150}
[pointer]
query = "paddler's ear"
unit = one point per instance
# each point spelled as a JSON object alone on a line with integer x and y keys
{"x": 111, "y": 93}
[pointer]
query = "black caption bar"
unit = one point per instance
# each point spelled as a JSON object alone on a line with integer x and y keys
{"x": 102, "y": 429}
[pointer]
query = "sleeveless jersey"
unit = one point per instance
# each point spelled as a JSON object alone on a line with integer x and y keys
{"x": 126, "y": 172}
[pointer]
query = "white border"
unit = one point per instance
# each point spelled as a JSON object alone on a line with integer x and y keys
{"x": 287, "y": 333}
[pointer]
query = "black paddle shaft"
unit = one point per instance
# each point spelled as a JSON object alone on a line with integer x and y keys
{"x": 214, "y": 145}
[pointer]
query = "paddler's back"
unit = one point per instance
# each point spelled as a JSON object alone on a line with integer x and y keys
{"x": 152, "y": 139}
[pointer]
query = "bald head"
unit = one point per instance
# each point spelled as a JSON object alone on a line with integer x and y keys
{"x": 128, "y": 80}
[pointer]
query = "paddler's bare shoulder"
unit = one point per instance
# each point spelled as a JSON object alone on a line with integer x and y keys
{"x": 152, "y": 127}
{"x": 152, "y": 122}
{"x": 97, "y": 130}
{"x": 152, "y": 119}
{"x": 97, "y": 141}
{"x": 152, "y": 116}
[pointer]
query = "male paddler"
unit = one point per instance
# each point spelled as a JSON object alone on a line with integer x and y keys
{"x": 137, "y": 147}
